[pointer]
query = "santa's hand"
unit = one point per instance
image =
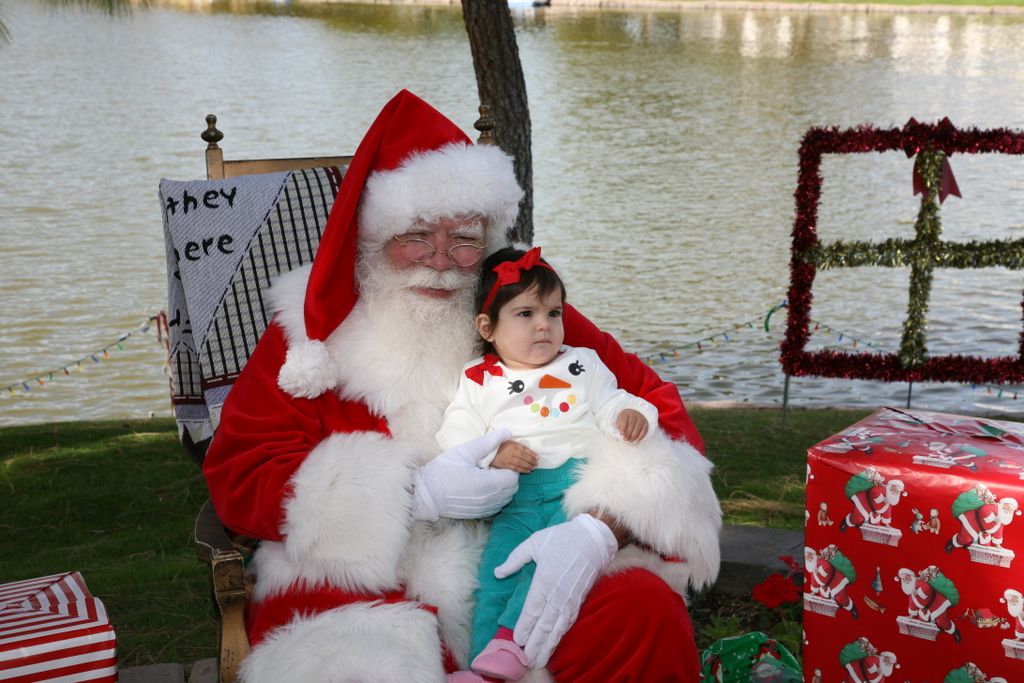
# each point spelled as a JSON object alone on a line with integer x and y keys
{"x": 569, "y": 558}
{"x": 451, "y": 485}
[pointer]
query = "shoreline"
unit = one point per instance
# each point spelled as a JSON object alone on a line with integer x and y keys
{"x": 776, "y": 6}
{"x": 728, "y": 5}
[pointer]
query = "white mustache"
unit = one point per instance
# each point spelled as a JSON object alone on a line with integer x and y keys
{"x": 425, "y": 278}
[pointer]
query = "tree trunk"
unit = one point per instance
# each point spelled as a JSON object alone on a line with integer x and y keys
{"x": 500, "y": 83}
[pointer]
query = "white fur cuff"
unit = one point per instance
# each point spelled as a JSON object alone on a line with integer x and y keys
{"x": 308, "y": 370}
{"x": 370, "y": 643}
{"x": 661, "y": 491}
{"x": 347, "y": 521}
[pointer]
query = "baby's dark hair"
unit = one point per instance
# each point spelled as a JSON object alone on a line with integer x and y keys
{"x": 546, "y": 280}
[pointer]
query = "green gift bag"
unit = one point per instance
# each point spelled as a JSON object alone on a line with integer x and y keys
{"x": 749, "y": 658}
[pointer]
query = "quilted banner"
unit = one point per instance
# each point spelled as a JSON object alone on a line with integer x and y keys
{"x": 225, "y": 241}
{"x": 913, "y": 551}
{"x": 52, "y": 629}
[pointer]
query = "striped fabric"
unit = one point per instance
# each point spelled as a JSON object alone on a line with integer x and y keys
{"x": 287, "y": 239}
{"x": 214, "y": 327}
{"x": 52, "y": 629}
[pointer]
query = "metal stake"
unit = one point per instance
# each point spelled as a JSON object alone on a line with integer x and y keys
{"x": 785, "y": 403}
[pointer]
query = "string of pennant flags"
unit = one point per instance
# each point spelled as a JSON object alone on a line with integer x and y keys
{"x": 94, "y": 357}
{"x": 840, "y": 338}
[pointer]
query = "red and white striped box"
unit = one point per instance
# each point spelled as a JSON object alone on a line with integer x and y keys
{"x": 52, "y": 629}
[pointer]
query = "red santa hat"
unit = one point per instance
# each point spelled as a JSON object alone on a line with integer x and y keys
{"x": 412, "y": 163}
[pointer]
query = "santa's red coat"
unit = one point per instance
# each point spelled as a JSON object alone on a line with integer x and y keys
{"x": 325, "y": 486}
{"x": 830, "y": 583}
{"x": 871, "y": 507}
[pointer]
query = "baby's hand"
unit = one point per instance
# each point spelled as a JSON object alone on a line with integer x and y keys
{"x": 632, "y": 425}
{"x": 516, "y": 457}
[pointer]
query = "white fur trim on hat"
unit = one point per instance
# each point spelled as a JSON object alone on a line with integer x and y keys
{"x": 369, "y": 643}
{"x": 457, "y": 179}
{"x": 661, "y": 491}
{"x": 308, "y": 370}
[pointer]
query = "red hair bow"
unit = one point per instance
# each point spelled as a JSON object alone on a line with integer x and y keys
{"x": 510, "y": 272}
{"x": 488, "y": 365}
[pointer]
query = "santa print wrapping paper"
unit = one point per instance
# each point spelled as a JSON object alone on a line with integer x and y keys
{"x": 52, "y": 629}
{"x": 914, "y": 551}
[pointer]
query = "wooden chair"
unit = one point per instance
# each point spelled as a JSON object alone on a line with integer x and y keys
{"x": 217, "y": 167}
{"x": 222, "y": 550}
{"x": 225, "y": 554}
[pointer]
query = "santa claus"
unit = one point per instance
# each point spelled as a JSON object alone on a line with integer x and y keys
{"x": 970, "y": 673}
{"x": 961, "y": 454}
{"x": 326, "y": 452}
{"x": 981, "y": 518}
{"x": 931, "y": 598}
{"x": 872, "y": 499}
{"x": 831, "y": 573}
{"x": 1015, "y": 606}
{"x": 863, "y": 664}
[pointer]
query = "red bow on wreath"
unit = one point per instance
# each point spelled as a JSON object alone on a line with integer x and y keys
{"x": 947, "y": 183}
{"x": 489, "y": 365}
{"x": 510, "y": 272}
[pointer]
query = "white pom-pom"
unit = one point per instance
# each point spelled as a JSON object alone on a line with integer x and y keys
{"x": 308, "y": 370}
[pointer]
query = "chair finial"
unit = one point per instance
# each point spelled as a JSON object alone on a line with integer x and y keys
{"x": 211, "y": 135}
{"x": 485, "y": 124}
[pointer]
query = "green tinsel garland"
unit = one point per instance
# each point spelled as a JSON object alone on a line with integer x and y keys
{"x": 922, "y": 254}
{"x": 933, "y": 178}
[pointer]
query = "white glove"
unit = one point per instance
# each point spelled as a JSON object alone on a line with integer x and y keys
{"x": 569, "y": 558}
{"x": 451, "y": 485}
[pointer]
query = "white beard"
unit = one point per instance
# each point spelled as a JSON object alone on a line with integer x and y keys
{"x": 402, "y": 352}
{"x": 391, "y": 290}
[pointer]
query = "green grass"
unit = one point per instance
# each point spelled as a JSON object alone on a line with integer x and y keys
{"x": 759, "y": 469}
{"x": 117, "y": 501}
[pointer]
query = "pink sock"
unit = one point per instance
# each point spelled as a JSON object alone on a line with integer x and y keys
{"x": 503, "y": 633}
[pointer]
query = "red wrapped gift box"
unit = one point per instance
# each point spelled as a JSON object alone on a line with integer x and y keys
{"x": 52, "y": 629}
{"x": 911, "y": 553}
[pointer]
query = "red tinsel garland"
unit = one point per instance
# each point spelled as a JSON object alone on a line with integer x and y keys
{"x": 912, "y": 138}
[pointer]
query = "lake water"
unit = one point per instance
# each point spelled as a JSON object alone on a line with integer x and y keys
{"x": 665, "y": 152}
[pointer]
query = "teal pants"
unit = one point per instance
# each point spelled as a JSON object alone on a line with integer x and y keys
{"x": 536, "y": 505}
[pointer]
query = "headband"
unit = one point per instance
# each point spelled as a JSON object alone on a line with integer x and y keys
{"x": 510, "y": 272}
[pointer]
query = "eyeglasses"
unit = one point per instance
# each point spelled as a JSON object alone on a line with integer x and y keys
{"x": 419, "y": 251}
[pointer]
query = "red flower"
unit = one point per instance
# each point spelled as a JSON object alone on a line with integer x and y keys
{"x": 775, "y": 590}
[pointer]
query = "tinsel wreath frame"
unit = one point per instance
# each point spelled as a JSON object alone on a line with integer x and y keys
{"x": 932, "y": 144}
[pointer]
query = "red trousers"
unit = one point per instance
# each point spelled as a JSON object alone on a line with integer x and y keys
{"x": 632, "y": 628}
